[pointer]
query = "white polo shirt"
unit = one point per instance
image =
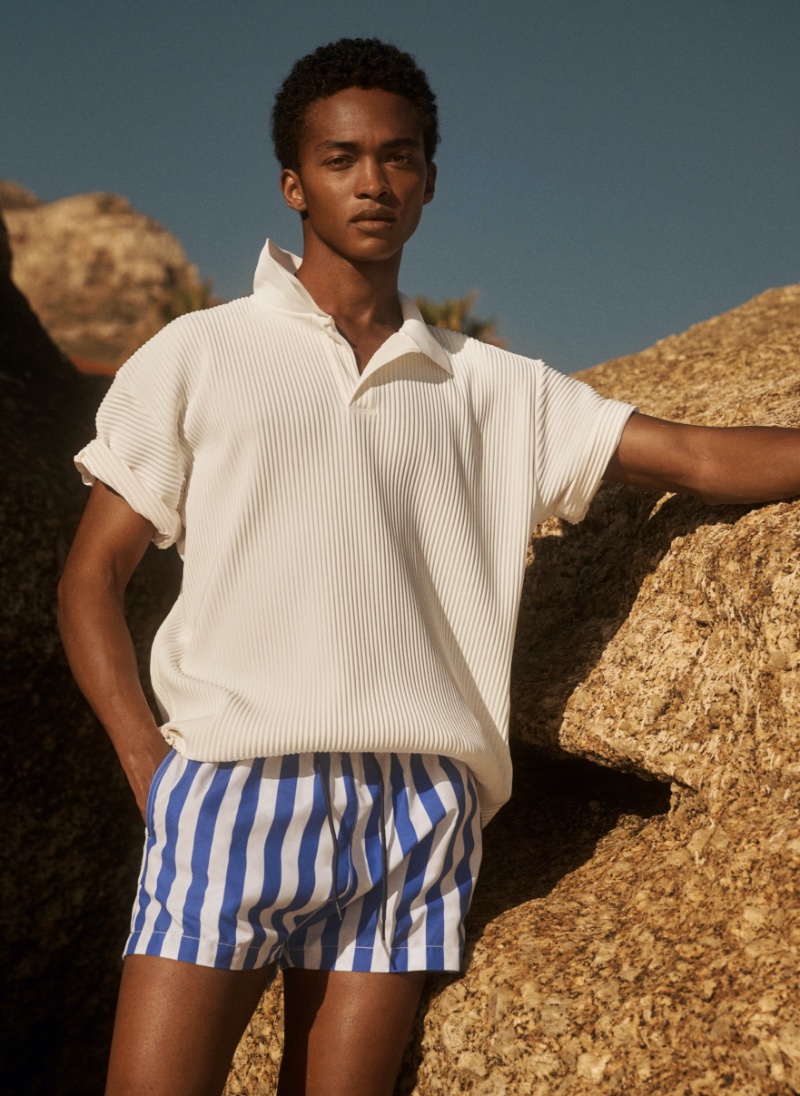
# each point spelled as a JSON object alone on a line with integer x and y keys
{"x": 353, "y": 545}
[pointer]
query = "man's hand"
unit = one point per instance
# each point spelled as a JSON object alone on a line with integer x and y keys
{"x": 737, "y": 464}
{"x": 142, "y": 767}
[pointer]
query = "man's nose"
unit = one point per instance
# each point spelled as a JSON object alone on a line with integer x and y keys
{"x": 372, "y": 181}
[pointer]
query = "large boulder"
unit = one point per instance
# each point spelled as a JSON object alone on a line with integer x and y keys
{"x": 616, "y": 946}
{"x": 101, "y": 277}
{"x": 687, "y": 652}
{"x": 71, "y": 833}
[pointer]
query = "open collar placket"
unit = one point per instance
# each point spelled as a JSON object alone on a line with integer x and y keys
{"x": 277, "y": 286}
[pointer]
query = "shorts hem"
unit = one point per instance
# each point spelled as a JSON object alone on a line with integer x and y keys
{"x": 201, "y": 952}
{"x": 213, "y": 953}
{"x": 396, "y": 960}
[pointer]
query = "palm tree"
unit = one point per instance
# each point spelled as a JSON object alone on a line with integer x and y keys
{"x": 456, "y": 314}
{"x": 181, "y": 299}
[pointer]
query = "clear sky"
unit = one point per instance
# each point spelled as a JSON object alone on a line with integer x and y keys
{"x": 612, "y": 171}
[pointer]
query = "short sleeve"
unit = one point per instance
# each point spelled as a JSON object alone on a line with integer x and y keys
{"x": 577, "y": 432}
{"x": 139, "y": 450}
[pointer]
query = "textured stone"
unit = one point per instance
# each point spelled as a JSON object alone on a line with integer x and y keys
{"x": 687, "y": 663}
{"x": 71, "y": 834}
{"x": 628, "y": 936}
{"x": 617, "y": 946}
{"x": 101, "y": 277}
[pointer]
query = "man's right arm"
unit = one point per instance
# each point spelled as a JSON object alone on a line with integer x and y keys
{"x": 109, "y": 544}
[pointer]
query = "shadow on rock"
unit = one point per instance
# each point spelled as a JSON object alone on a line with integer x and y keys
{"x": 579, "y": 590}
{"x": 551, "y": 825}
{"x": 72, "y": 836}
{"x": 558, "y": 813}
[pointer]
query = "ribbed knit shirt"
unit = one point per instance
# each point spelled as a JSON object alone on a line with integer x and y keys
{"x": 353, "y": 544}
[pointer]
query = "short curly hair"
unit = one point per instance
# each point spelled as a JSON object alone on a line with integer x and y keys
{"x": 349, "y": 63}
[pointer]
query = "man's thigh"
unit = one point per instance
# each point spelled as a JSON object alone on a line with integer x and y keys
{"x": 345, "y": 1032}
{"x": 178, "y": 1025}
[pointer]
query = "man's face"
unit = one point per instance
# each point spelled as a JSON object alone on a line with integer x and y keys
{"x": 363, "y": 177}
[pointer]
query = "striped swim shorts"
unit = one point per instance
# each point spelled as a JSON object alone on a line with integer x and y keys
{"x": 362, "y": 862}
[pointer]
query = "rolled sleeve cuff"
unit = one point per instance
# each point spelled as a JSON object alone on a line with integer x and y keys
{"x": 607, "y": 437}
{"x": 98, "y": 462}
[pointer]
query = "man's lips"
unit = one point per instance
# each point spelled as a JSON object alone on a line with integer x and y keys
{"x": 375, "y": 216}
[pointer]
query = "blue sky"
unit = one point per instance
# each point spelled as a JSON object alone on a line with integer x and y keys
{"x": 612, "y": 171}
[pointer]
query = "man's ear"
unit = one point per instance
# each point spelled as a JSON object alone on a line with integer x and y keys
{"x": 292, "y": 188}
{"x": 430, "y": 183}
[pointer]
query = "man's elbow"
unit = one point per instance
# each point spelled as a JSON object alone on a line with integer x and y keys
{"x": 67, "y": 597}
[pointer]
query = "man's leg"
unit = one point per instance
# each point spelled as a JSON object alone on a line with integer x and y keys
{"x": 178, "y": 1026}
{"x": 345, "y": 1032}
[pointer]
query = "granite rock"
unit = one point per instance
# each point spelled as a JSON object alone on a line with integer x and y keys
{"x": 636, "y": 928}
{"x": 71, "y": 833}
{"x": 686, "y": 664}
{"x": 101, "y": 277}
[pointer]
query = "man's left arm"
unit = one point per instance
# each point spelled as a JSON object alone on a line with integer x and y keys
{"x": 739, "y": 464}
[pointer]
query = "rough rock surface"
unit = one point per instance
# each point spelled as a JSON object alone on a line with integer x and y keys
{"x": 616, "y": 947}
{"x": 628, "y": 936}
{"x": 71, "y": 834}
{"x": 101, "y": 277}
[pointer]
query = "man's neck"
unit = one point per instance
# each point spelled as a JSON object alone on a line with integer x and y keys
{"x": 362, "y": 298}
{"x": 356, "y": 295}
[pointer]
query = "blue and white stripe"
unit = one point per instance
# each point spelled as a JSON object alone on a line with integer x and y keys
{"x": 239, "y": 862}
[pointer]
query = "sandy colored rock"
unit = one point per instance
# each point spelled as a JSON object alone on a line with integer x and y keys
{"x": 15, "y": 196}
{"x": 686, "y": 665}
{"x": 648, "y": 968}
{"x": 101, "y": 277}
{"x": 636, "y": 936}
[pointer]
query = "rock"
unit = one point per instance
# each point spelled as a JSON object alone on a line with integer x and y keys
{"x": 628, "y": 935}
{"x": 645, "y": 968}
{"x": 617, "y": 946}
{"x": 101, "y": 277}
{"x": 71, "y": 834}
{"x": 15, "y": 196}
{"x": 687, "y": 665}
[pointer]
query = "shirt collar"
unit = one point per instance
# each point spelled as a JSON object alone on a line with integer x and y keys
{"x": 276, "y": 285}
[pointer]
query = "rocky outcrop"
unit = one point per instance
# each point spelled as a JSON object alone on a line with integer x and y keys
{"x": 629, "y": 935}
{"x": 71, "y": 834}
{"x": 617, "y": 946}
{"x": 15, "y": 196}
{"x": 101, "y": 277}
{"x": 688, "y": 665}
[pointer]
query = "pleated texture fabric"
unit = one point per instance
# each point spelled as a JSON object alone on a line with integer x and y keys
{"x": 353, "y": 545}
{"x": 239, "y": 862}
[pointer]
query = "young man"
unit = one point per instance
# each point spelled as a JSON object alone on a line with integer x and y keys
{"x": 352, "y": 494}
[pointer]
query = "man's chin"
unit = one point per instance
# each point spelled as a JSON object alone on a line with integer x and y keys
{"x": 370, "y": 249}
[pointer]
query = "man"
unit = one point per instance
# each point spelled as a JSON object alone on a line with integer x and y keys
{"x": 352, "y": 494}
